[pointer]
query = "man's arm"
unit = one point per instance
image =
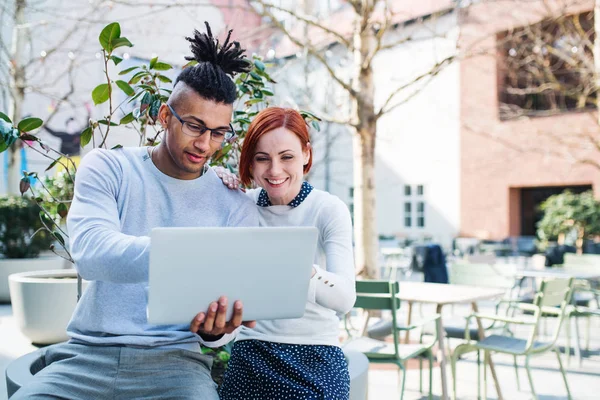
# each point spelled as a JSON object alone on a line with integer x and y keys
{"x": 101, "y": 252}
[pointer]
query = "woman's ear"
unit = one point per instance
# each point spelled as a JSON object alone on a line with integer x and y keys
{"x": 306, "y": 153}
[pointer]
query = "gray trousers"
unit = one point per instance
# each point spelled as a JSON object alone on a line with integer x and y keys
{"x": 75, "y": 371}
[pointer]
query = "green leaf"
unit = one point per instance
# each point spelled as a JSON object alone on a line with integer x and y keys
{"x": 8, "y": 133}
{"x": 147, "y": 99}
{"x": 306, "y": 114}
{"x": 3, "y": 144}
{"x": 154, "y": 109}
{"x": 258, "y": 94}
{"x": 244, "y": 89}
{"x": 53, "y": 163}
{"x": 116, "y": 59}
{"x": 259, "y": 65}
{"x": 86, "y": 136}
{"x": 153, "y": 62}
{"x": 101, "y": 93}
{"x": 58, "y": 236}
{"x": 5, "y": 117}
{"x": 120, "y": 42}
{"x": 29, "y": 124}
{"x": 316, "y": 125}
{"x": 138, "y": 76}
{"x": 268, "y": 92}
{"x": 62, "y": 210}
{"x": 164, "y": 79}
{"x": 116, "y": 147}
{"x": 127, "y": 119}
{"x": 124, "y": 86}
{"x": 256, "y": 76}
{"x": 27, "y": 136}
{"x": 108, "y": 35}
{"x": 128, "y": 70}
{"x": 190, "y": 64}
{"x": 161, "y": 66}
{"x": 105, "y": 122}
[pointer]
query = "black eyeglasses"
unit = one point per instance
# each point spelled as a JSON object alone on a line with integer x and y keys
{"x": 197, "y": 129}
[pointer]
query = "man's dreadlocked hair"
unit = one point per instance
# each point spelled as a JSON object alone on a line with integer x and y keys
{"x": 211, "y": 77}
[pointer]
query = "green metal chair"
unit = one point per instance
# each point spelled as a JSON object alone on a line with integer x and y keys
{"x": 553, "y": 298}
{"x": 379, "y": 296}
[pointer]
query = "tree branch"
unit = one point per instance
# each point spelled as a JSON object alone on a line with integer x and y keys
{"x": 436, "y": 69}
{"x": 310, "y": 49}
{"x": 310, "y": 21}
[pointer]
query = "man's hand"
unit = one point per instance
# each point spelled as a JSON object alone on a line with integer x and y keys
{"x": 213, "y": 322}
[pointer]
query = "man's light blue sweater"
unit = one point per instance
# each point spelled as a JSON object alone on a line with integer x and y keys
{"x": 120, "y": 196}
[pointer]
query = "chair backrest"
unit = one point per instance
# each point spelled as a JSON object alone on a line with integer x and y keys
{"x": 497, "y": 276}
{"x": 377, "y": 295}
{"x": 380, "y": 295}
{"x": 554, "y": 295}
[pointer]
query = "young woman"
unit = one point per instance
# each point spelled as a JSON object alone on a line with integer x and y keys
{"x": 294, "y": 358}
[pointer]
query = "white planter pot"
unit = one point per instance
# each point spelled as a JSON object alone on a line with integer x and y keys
{"x": 10, "y": 266}
{"x": 43, "y": 302}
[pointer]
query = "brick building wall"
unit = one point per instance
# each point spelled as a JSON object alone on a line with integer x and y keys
{"x": 499, "y": 158}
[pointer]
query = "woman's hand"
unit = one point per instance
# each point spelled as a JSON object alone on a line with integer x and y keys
{"x": 229, "y": 179}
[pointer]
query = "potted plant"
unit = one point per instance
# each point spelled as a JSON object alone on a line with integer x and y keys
{"x": 570, "y": 218}
{"x": 22, "y": 241}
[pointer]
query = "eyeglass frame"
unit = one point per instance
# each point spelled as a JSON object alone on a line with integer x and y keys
{"x": 231, "y": 131}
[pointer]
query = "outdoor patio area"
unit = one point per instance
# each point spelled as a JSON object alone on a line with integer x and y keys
{"x": 584, "y": 379}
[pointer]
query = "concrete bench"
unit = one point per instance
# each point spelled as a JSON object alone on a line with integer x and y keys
{"x": 358, "y": 367}
{"x": 21, "y": 371}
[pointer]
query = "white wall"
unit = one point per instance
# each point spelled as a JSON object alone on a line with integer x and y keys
{"x": 418, "y": 142}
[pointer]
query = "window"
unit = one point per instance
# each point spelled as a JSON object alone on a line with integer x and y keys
{"x": 420, "y": 214}
{"x": 408, "y": 214}
{"x": 414, "y": 202}
{"x": 547, "y": 67}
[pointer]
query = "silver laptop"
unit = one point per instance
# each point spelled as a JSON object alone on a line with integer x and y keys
{"x": 267, "y": 268}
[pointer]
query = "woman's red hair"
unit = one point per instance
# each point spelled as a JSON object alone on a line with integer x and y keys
{"x": 267, "y": 120}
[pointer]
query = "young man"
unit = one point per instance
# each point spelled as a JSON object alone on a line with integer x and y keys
{"x": 120, "y": 195}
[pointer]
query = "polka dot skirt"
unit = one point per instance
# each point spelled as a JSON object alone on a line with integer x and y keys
{"x": 278, "y": 371}
{"x": 305, "y": 189}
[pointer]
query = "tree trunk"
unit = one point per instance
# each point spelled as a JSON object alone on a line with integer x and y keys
{"x": 580, "y": 240}
{"x": 363, "y": 115}
{"x": 597, "y": 50}
{"x": 17, "y": 94}
{"x": 365, "y": 218}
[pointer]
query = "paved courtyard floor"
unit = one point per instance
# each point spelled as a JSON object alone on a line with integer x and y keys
{"x": 584, "y": 380}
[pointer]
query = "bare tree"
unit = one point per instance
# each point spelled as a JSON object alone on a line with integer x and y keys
{"x": 371, "y": 21}
{"x": 28, "y": 70}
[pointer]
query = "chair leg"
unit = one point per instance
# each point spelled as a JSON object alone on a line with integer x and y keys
{"x": 485, "y": 360}
{"x": 568, "y": 347}
{"x": 530, "y": 377}
{"x": 587, "y": 334}
{"x": 403, "y": 380}
{"x": 430, "y": 354}
{"x": 517, "y": 373}
{"x": 478, "y": 375}
{"x": 564, "y": 375}
{"x": 577, "y": 344}
{"x": 420, "y": 374}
